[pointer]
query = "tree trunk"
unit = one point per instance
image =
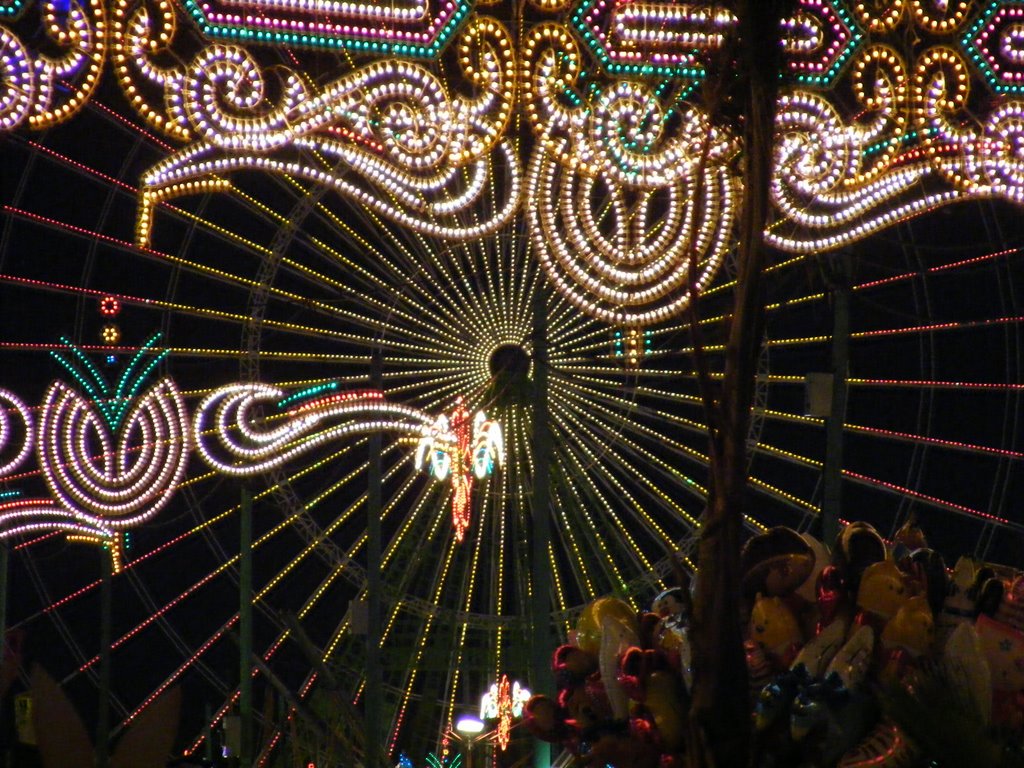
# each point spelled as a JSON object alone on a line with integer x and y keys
{"x": 720, "y": 709}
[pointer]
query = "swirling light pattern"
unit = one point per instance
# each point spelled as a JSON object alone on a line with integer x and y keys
{"x": 456, "y": 448}
{"x": 421, "y": 154}
{"x": 616, "y": 146}
{"x": 16, "y": 432}
{"x": 255, "y": 256}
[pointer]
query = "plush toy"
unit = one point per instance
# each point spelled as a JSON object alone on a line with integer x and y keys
{"x": 818, "y": 652}
{"x": 572, "y": 666}
{"x": 853, "y": 660}
{"x": 807, "y": 590}
{"x": 774, "y": 629}
{"x": 667, "y": 702}
{"x": 832, "y": 598}
{"x": 546, "y": 720}
{"x": 910, "y": 535}
{"x": 912, "y": 629}
{"x": 670, "y": 634}
{"x": 775, "y": 563}
{"x": 881, "y": 593}
{"x": 907, "y": 637}
{"x": 928, "y": 569}
{"x": 828, "y": 719}
{"x": 857, "y": 547}
{"x": 1003, "y": 647}
{"x": 958, "y": 607}
{"x": 590, "y": 627}
{"x": 635, "y": 666}
{"x": 673, "y": 604}
{"x": 1011, "y": 607}
{"x": 965, "y": 667}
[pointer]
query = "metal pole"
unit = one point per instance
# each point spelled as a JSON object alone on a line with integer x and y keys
{"x": 374, "y": 703}
{"x": 207, "y": 733}
{"x": 831, "y": 507}
{"x": 540, "y": 568}
{"x": 103, "y": 705}
{"x": 245, "y": 630}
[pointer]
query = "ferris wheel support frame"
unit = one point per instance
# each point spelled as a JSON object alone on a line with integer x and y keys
{"x": 838, "y": 271}
{"x": 540, "y": 604}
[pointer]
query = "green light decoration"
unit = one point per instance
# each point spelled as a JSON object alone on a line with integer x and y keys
{"x": 112, "y": 402}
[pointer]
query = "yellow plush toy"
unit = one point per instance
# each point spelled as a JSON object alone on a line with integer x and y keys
{"x": 774, "y": 628}
{"x": 882, "y": 590}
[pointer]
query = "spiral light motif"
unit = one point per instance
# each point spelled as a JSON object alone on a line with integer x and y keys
{"x": 122, "y": 477}
{"x": 15, "y": 432}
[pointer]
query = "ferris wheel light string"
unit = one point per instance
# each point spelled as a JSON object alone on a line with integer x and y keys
{"x": 181, "y": 537}
{"x": 653, "y": 459}
{"x": 935, "y": 500}
{"x": 609, "y": 511}
{"x": 183, "y": 213}
{"x": 337, "y": 636}
{"x": 467, "y": 605}
{"x": 190, "y": 265}
{"x": 259, "y": 596}
{"x": 428, "y": 624}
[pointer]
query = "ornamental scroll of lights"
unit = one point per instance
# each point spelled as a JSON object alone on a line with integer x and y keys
{"x": 888, "y": 109}
{"x": 113, "y": 457}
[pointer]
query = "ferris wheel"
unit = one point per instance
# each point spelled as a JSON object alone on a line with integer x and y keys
{"x": 294, "y": 281}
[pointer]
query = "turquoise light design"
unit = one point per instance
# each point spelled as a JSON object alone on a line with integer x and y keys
{"x": 112, "y": 402}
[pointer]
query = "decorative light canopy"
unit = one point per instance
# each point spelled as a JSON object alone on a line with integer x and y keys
{"x": 420, "y": 28}
{"x": 632, "y": 188}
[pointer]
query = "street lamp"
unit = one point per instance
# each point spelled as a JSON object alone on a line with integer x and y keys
{"x": 469, "y": 731}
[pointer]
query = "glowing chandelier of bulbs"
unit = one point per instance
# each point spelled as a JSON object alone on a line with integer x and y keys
{"x": 114, "y": 458}
{"x": 887, "y": 110}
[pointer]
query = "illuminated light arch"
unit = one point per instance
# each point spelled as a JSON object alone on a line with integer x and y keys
{"x": 891, "y": 145}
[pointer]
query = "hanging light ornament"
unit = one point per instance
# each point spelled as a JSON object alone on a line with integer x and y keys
{"x": 503, "y": 702}
{"x": 460, "y": 450}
